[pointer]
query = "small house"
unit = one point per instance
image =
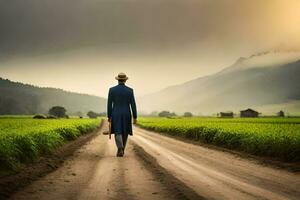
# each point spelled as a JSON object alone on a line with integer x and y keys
{"x": 249, "y": 113}
{"x": 226, "y": 114}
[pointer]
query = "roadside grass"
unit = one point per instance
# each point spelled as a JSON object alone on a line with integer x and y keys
{"x": 273, "y": 137}
{"x": 23, "y": 140}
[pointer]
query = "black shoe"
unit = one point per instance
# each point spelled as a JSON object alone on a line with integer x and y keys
{"x": 119, "y": 153}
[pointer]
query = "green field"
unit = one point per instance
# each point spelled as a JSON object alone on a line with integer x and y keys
{"x": 274, "y": 137}
{"x": 23, "y": 140}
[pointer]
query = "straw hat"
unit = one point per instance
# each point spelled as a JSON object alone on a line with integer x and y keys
{"x": 121, "y": 77}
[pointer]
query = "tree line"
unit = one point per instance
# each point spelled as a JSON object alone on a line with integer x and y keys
{"x": 23, "y": 99}
{"x": 60, "y": 112}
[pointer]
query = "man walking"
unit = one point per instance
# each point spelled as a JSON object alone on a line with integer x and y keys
{"x": 120, "y": 100}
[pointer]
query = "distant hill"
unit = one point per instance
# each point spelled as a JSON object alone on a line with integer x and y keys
{"x": 19, "y": 98}
{"x": 268, "y": 81}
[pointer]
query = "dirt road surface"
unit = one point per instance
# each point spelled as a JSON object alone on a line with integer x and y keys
{"x": 196, "y": 172}
{"x": 216, "y": 174}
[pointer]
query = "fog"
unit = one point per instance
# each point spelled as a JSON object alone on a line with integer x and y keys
{"x": 80, "y": 45}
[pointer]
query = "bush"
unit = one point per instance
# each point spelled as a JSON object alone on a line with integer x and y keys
{"x": 39, "y": 117}
{"x": 166, "y": 114}
{"x": 57, "y": 111}
{"x": 188, "y": 114}
{"x": 92, "y": 115}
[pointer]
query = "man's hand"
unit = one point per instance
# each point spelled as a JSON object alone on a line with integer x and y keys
{"x": 109, "y": 120}
{"x": 134, "y": 121}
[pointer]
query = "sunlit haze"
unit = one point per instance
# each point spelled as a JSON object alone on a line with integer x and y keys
{"x": 82, "y": 45}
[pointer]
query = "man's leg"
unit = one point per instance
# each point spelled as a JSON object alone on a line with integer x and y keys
{"x": 119, "y": 143}
{"x": 124, "y": 137}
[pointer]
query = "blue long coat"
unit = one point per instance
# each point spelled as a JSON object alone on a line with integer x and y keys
{"x": 120, "y": 99}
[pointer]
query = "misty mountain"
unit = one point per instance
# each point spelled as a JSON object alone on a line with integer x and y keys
{"x": 19, "y": 98}
{"x": 258, "y": 81}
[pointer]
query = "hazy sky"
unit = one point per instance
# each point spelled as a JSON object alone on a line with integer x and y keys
{"x": 80, "y": 45}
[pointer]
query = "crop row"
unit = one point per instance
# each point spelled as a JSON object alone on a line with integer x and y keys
{"x": 267, "y": 137}
{"x": 24, "y": 140}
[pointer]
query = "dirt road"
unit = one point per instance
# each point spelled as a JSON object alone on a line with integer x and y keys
{"x": 95, "y": 173}
{"x": 216, "y": 174}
